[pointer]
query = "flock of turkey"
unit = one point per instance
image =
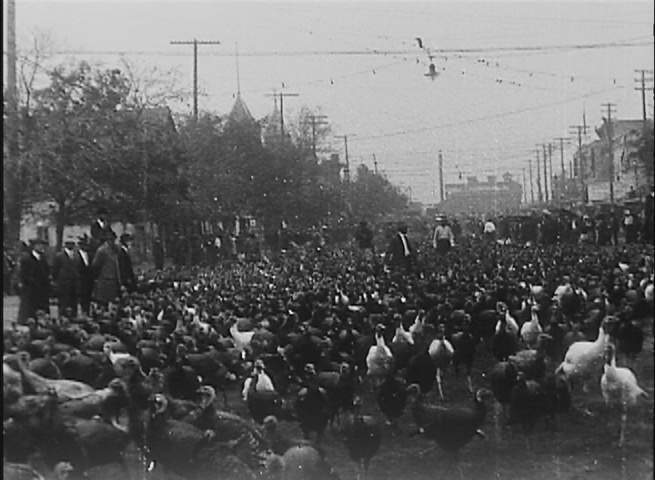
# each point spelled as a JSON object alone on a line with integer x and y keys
{"x": 327, "y": 341}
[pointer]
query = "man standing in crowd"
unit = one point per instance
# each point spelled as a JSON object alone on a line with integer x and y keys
{"x": 443, "y": 237}
{"x": 489, "y": 230}
{"x": 125, "y": 270}
{"x": 34, "y": 283}
{"x": 630, "y": 227}
{"x": 400, "y": 253}
{"x": 85, "y": 274}
{"x": 98, "y": 229}
{"x": 158, "y": 254}
{"x": 364, "y": 236}
{"x": 65, "y": 274}
{"x": 106, "y": 271}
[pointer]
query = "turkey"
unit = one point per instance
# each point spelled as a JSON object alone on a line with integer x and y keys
{"x": 532, "y": 362}
{"x": 584, "y": 359}
{"x": 392, "y": 398}
{"x": 441, "y": 352}
{"x": 464, "y": 346}
{"x": 379, "y": 360}
{"x": 422, "y": 371}
{"x": 505, "y": 341}
{"x": 530, "y": 330}
{"x": 340, "y": 389}
{"x": 19, "y": 471}
{"x": 620, "y": 388}
{"x": 362, "y": 437}
{"x": 312, "y": 406}
{"x": 304, "y": 462}
{"x": 451, "y": 428}
{"x": 66, "y": 389}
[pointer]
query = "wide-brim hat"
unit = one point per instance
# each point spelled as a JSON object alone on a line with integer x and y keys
{"x": 69, "y": 241}
{"x": 38, "y": 241}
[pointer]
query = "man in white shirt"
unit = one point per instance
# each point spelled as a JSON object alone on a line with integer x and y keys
{"x": 443, "y": 237}
{"x": 489, "y": 231}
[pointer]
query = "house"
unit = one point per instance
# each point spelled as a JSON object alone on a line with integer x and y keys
{"x": 593, "y": 165}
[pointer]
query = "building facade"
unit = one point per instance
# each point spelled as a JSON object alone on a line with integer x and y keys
{"x": 478, "y": 198}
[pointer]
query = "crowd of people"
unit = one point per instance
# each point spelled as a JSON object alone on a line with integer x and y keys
{"x": 285, "y": 320}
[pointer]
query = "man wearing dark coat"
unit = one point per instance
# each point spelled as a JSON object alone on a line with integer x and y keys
{"x": 158, "y": 254}
{"x": 364, "y": 236}
{"x": 98, "y": 229}
{"x": 65, "y": 274}
{"x": 106, "y": 273}
{"x": 128, "y": 280}
{"x": 400, "y": 253}
{"x": 85, "y": 274}
{"x": 34, "y": 282}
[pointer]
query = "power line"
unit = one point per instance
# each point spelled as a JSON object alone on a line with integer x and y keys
{"x": 372, "y": 52}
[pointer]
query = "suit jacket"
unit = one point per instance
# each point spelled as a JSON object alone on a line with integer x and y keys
{"x": 396, "y": 251}
{"x": 84, "y": 275}
{"x": 128, "y": 280}
{"x": 65, "y": 272}
{"x": 106, "y": 273}
{"x": 35, "y": 285}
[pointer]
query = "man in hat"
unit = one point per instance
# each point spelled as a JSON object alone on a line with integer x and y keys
{"x": 85, "y": 274}
{"x": 443, "y": 237}
{"x": 65, "y": 274}
{"x": 99, "y": 226}
{"x": 105, "y": 269}
{"x": 364, "y": 236}
{"x": 34, "y": 283}
{"x": 400, "y": 253}
{"x": 128, "y": 280}
{"x": 630, "y": 227}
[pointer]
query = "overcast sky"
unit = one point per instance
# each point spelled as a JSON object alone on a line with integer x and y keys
{"x": 486, "y": 110}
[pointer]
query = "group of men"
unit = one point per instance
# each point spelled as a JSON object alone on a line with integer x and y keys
{"x": 94, "y": 269}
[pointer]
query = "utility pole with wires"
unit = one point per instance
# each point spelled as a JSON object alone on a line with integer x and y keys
{"x": 561, "y": 141}
{"x": 13, "y": 181}
{"x": 346, "y": 171}
{"x": 525, "y": 190}
{"x": 195, "y": 44}
{"x": 550, "y": 167}
{"x": 610, "y": 146}
{"x": 531, "y": 183}
{"x": 316, "y": 120}
{"x": 281, "y": 95}
{"x": 579, "y": 164}
{"x": 540, "y": 197}
{"x": 643, "y": 89}
{"x": 543, "y": 145}
{"x": 442, "y": 195}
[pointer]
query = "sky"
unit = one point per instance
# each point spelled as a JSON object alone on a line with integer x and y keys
{"x": 486, "y": 111}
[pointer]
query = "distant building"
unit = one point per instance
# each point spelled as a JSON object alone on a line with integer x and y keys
{"x": 475, "y": 197}
{"x": 592, "y": 165}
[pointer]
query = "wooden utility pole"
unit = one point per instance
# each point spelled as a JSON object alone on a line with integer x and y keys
{"x": 375, "y": 164}
{"x": 195, "y": 44}
{"x": 579, "y": 165}
{"x": 281, "y": 95}
{"x": 543, "y": 145}
{"x": 346, "y": 171}
{"x": 525, "y": 190}
{"x": 442, "y": 195}
{"x": 610, "y": 146}
{"x": 316, "y": 120}
{"x": 550, "y": 167}
{"x": 643, "y": 89}
{"x": 12, "y": 181}
{"x": 531, "y": 183}
{"x": 561, "y": 141}
{"x": 540, "y": 197}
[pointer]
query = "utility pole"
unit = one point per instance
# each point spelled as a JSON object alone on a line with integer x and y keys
{"x": 13, "y": 181}
{"x": 550, "y": 166}
{"x": 643, "y": 89}
{"x": 282, "y": 95}
{"x": 540, "y": 197}
{"x": 610, "y": 145}
{"x": 442, "y": 195}
{"x": 375, "y": 164}
{"x": 531, "y": 183}
{"x": 545, "y": 174}
{"x": 346, "y": 171}
{"x": 525, "y": 191}
{"x": 195, "y": 44}
{"x": 561, "y": 153}
{"x": 579, "y": 166}
{"x": 316, "y": 121}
